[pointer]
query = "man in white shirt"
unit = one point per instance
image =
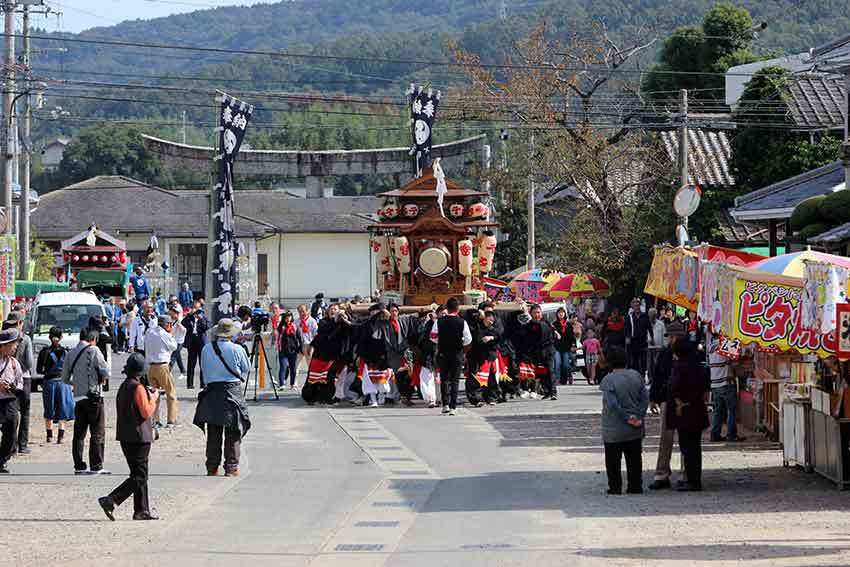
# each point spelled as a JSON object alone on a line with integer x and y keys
{"x": 178, "y": 331}
{"x": 452, "y": 335}
{"x": 142, "y": 323}
{"x": 307, "y": 328}
{"x": 159, "y": 345}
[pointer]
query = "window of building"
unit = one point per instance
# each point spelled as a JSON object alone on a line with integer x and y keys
{"x": 262, "y": 274}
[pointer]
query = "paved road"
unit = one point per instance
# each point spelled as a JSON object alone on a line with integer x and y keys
{"x": 518, "y": 484}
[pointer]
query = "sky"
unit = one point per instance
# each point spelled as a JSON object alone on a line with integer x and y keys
{"x": 78, "y": 15}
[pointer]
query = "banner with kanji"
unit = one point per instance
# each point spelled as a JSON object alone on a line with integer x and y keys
{"x": 7, "y": 267}
{"x": 771, "y": 316}
{"x": 423, "y": 110}
{"x": 233, "y": 119}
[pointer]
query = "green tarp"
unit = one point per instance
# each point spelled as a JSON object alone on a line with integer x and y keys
{"x": 27, "y": 288}
{"x": 114, "y": 280}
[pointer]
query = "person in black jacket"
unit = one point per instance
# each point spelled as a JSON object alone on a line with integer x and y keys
{"x": 289, "y": 346}
{"x": 452, "y": 335}
{"x": 196, "y": 325}
{"x": 135, "y": 405}
{"x": 544, "y": 354}
{"x": 658, "y": 399}
{"x": 565, "y": 344}
{"x": 686, "y": 410}
{"x": 486, "y": 360}
{"x": 637, "y": 337}
{"x": 57, "y": 398}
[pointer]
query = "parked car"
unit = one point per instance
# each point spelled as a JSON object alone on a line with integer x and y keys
{"x": 68, "y": 310}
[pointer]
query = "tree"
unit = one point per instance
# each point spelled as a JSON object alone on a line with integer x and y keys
{"x": 702, "y": 54}
{"x": 766, "y": 149}
{"x": 584, "y": 115}
{"x": 43, "y": 260}
{"x": 110, "y": 149}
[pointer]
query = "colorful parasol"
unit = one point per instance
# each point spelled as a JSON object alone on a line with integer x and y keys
{"x": 529, "y": 284}
{"x": 578, "y": 285}
{"x": 792, "y": 264}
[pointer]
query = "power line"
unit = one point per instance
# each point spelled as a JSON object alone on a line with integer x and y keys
{"x": 372, "y": 60}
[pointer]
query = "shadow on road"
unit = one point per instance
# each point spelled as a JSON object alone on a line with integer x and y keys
{"x": 714, "y": 552}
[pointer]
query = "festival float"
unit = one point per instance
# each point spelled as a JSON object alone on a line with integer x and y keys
{"x": 434, "y": 239}
{"x": 94, "y": 260}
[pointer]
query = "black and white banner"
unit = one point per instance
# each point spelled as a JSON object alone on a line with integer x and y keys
{"x": 423, "y": 109}
{"x": 233, "y": 118}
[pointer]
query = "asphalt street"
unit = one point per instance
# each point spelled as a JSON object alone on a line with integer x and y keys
{"x": 521, "y": 483}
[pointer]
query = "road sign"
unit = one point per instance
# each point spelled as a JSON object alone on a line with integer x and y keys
{"x": 687, "y": 199}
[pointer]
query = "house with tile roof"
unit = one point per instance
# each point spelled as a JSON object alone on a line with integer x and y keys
{"x": 294, "y": 246}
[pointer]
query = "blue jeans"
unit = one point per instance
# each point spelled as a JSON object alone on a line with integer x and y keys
{"x": 177, "y": 358}
{"x": 288, "y": 364}
{"x": 725, "y": 405}
{"x": 563, "y": 365}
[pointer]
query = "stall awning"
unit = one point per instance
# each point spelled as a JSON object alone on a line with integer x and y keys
{"x": 87, "y": 279}
{"x": 27, "y": 288}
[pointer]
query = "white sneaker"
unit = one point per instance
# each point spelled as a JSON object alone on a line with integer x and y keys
{"x": 101, "y": 471}
{"x": 374, "y": 404}
{"x": 446, "y": 409}
{"x": 452, "y": 412}
{"x": 534, "y": 395}
{"x": 524, "y": 395}
{"x": 432, "y": 405}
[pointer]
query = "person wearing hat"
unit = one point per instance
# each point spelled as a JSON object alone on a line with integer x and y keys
{"x": 25, "y": 358}
{"x": 658, "y": 398}
{"x": 11, "y": 382}
{"x": 221, "y": 411}
{"x": 86, "y": 370}
{"x": 135, "y": 404}
{"x": 159, "y": 346}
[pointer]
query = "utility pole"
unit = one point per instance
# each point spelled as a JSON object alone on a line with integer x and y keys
{"x": 184, "y": 127}
{"x": 530, "y": 260}
{"x": 503, "y": 10}
{"x": 24, "y": 244}
{"x": 683, "y": 145}
{"x": 8, "y": 94}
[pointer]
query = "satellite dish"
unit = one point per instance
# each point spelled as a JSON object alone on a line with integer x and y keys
{"x": 682, "y": 235}
{"x": 687, "y": 199}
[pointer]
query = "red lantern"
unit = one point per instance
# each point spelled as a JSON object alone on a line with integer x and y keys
{"x": 104, "y": 259}
{"x": 114, "y": 258}
{"x": 391, "y": 211}
{"x": 456, "y": 210}
{"x": 66, "y": 257}
{"x": 123, "y": 257}
{"x": 477, "y": 211}
{"x": 85, "y": 258}
{"x": 410, "y": 210}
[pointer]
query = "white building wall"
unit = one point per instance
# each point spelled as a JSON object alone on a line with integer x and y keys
{"x": 301, "y": 265}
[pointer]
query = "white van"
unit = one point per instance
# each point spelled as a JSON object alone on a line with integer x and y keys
{"x": 68, "y": 310}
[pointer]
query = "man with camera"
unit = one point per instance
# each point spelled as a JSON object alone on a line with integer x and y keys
{"x": 86, "y": 370}
{"x": 135, "y": 405}
{"x": 196, "y": 325}
{"x": 11, "y": 383}
{"x": 159, "y": 346}
{"x": 221, "y": 409}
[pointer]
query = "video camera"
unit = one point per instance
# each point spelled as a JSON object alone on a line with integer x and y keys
{"x": 260, "y": 319}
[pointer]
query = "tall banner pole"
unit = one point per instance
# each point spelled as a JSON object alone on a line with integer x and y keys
{"x": 233, "y": 119}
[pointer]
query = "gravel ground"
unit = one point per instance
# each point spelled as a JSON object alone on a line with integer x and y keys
{"x": 56, "y": 513}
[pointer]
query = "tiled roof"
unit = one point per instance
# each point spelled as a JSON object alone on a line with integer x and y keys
{"x": 779, "y": 199}
{"x": 737, "y": 231}
{"x": 121, "y": 205}
{"x": 708, "y": 156}
{"x": 816, "y": 101}
{"x": 832, "y": 236}
{"x": 832, "y": 56}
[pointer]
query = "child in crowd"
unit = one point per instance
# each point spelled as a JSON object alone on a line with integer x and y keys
{"x": 592, "y": 347}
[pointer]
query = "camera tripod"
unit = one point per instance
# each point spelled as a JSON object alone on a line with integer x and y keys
{"x": 259, "y": 348}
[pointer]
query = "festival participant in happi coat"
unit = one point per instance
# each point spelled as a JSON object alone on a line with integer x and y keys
{"x": 523, "y": 338}
{"x": 409, "y": 374}
{"x": 397, "y": 332}
{"x": 374, "y": 369}
{"x": 325, "y": 364}
{"x": 452, "y": 335}
{"x": 486, "y": 359}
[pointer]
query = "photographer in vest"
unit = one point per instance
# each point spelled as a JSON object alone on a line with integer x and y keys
{"x": 221, "y": 409}
{"x": 134, "y": 405}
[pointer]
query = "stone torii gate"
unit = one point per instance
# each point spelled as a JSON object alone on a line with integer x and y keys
{"x": 315, "y": 166}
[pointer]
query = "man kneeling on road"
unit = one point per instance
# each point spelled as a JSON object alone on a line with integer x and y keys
{"x": 221, "y": 404}
{"x": 135, "y": 405}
